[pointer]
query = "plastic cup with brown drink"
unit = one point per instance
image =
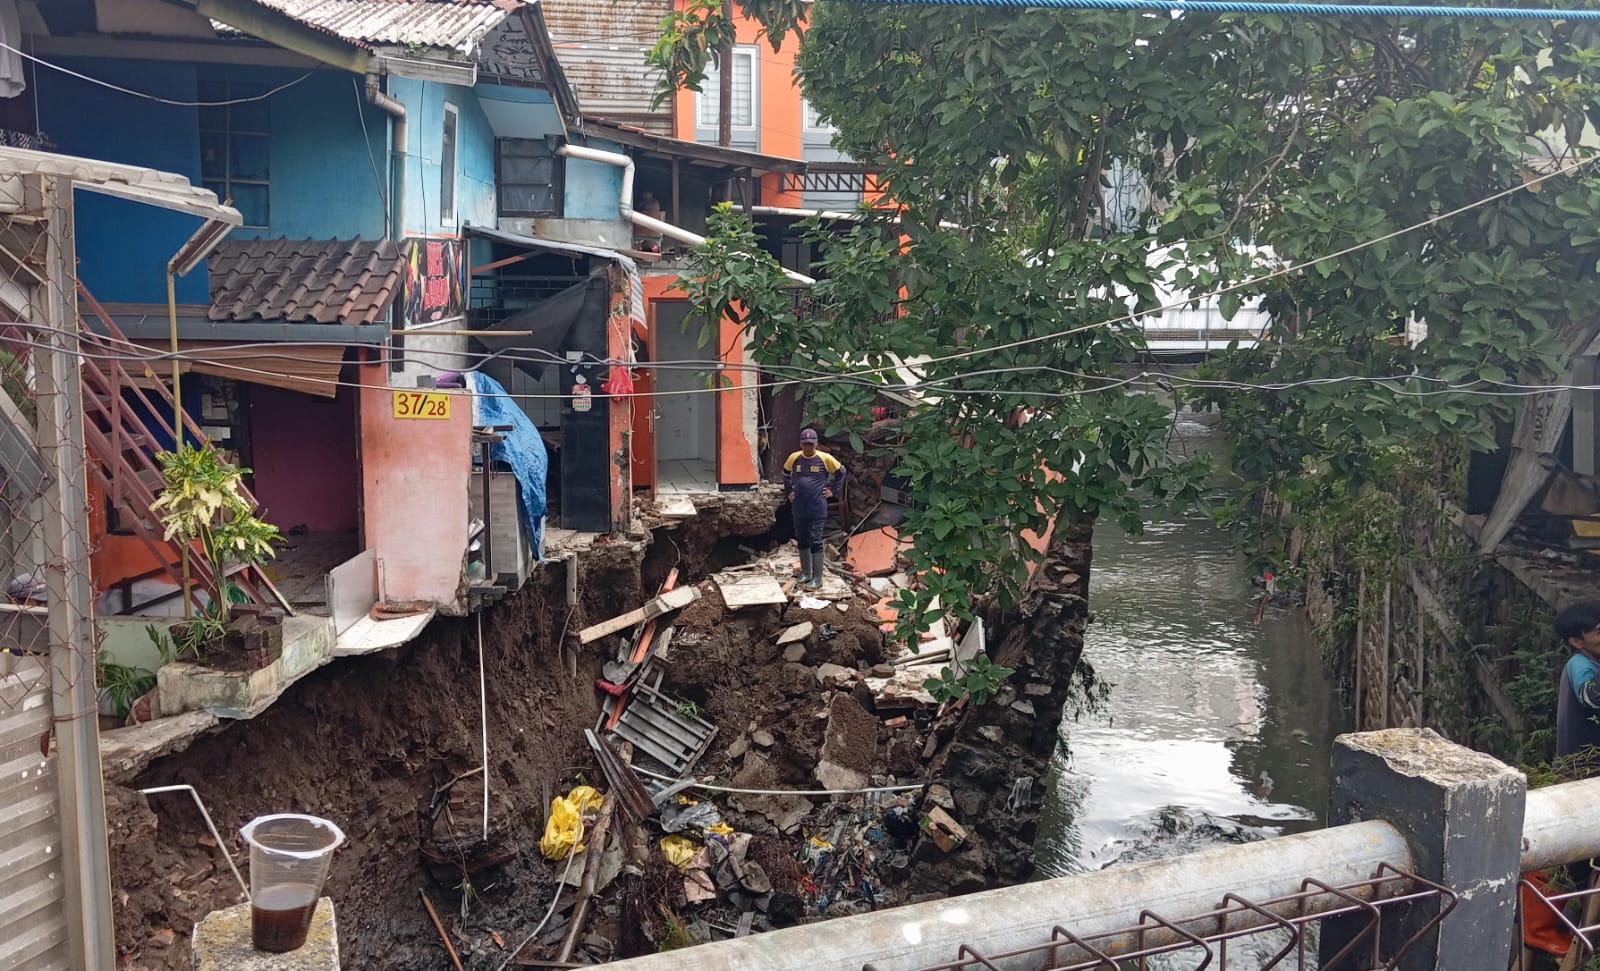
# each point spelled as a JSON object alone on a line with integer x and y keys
{"x": 289, "y": 858}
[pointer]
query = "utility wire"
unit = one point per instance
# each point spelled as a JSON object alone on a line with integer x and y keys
{"x": 1268, "y": 7}
{"x": 151, "y": 97}
{"x": 1147, "y": 379}
{"x": 1252, "y": 281}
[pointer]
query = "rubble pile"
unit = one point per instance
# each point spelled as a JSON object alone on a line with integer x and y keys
{"x": 812, "y": 801}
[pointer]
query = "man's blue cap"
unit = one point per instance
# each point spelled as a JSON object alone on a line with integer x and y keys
{"x": 808, "y": 435}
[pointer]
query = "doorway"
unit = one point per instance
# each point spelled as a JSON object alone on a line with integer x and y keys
{"x": 685, "y": 410}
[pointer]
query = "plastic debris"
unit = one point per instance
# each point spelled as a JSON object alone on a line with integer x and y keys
{"x": 680, "y": 851}
{"x": 563, "y": 831}
{"x": 695, "y": 817}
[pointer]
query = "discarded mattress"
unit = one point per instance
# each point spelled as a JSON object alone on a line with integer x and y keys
{"x": 522, "y": 449}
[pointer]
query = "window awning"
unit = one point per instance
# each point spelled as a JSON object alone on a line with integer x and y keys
{"x": 709, "y": 156}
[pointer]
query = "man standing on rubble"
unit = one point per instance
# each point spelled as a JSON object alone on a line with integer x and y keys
{"x": 810, "y": 479}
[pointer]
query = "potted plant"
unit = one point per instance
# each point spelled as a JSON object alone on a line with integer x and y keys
{"x": 202, "y": 500}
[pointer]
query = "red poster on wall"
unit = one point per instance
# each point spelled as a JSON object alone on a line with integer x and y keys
{"x": 434, "y": 288}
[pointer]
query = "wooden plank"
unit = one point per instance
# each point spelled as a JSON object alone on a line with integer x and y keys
{"x": 1583, "y": 417}
{"x": 749, "y": 591}
{"x": 667, "y": 602}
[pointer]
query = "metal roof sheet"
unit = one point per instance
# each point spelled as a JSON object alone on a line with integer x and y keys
{"x": 454, "y": 24}
{"x": 553, "y": 245}
{"x": 325, "y": 281}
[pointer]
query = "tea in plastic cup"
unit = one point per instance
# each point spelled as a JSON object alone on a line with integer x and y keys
{"x": 289, "y": 858}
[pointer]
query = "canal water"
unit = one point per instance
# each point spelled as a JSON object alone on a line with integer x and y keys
{"x": 1217, "y": 728}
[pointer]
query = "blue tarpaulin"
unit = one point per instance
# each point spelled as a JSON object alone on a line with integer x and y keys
{"x": 522, "y": 449}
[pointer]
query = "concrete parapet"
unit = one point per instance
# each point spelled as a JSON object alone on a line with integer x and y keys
{"x": 1461, "y": 812}
{"x": 222, "y": 943}
{"x": 308, "y": 642}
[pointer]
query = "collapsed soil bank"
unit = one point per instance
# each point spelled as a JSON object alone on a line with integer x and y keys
{"x": 374, "y": 742}
{"x": 368, "y": 741}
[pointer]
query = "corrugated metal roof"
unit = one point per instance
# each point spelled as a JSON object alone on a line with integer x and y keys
{"x": 324, "y": 281}
{"x": 602, "y": 46}
{"x": 553, "y": 245}
{"x": 453, "y": 24}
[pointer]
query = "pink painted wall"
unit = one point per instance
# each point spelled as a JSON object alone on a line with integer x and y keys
{"x": 415, "y": 479}
{"x": 619, "y": 341}
{"x": 304, "y": 456}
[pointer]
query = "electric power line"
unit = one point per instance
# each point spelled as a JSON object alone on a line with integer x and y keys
{"x": 1271, "y": 7}
{"x": 151, "y": 97}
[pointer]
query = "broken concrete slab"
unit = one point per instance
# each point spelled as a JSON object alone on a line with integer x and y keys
{"x": 794, "y": 653}
{"x": 797, "y": 633}
{"x": 836, "y": 675}
{"x": 222, "y": 942}
{"x": 839, "y": 778}
{"x": 784, "y": 812}
{"x": 748, "y": 590}
{"x": 945, "y": 832}
{"x": 674, "y": 506}
{"x": 763, "y": 739}
{"x": 126, "y": 752}
{"x": 904, "y": 691}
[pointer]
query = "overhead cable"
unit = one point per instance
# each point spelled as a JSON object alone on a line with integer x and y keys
{"x": 152, "y": 97}
{"x": 1270, "y": 7}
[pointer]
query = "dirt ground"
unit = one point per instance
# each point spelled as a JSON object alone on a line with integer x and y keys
{"x": 373, "y": 742}
{"x": 364, "y": 742}
{"x": 368, "y": 742}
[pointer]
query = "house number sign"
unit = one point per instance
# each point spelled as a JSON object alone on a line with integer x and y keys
{"x": 421, "y": 404}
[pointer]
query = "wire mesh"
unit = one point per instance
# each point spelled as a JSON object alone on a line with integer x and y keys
{"x": 1573, "y": 913}
{"x": 1285, "y": 925}
{"x": 44, "y": 524}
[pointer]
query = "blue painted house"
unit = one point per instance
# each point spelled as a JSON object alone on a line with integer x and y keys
{"x": 393, "y": 161}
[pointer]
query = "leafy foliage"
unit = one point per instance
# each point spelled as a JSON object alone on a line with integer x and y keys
{"x": 1082, "y": 155}
{"x": 979, "y": 681}
{"x": 990, "y": 451}
{"x": 121, "y": 685}
{"x": 203, "y": 499}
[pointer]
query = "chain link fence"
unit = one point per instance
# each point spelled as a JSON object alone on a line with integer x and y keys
{"x": 44, "y": 521}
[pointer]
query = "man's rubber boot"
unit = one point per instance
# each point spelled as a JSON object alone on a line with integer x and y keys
{"x": 803, "y": 571}
{"x": 813, "y": 566}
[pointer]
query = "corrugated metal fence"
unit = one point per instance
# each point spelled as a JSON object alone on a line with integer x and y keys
{"x": 33, "y": 925}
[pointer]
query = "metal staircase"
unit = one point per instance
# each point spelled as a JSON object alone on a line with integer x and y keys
{"x": 122, "y": 438}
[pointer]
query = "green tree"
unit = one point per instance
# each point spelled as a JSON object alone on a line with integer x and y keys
{"x": 1261, "y": 142}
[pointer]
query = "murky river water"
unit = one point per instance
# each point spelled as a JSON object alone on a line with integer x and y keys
{"x": 1215, "y": 724}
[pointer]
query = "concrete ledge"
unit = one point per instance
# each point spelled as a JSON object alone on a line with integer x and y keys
{"x": 222, "y": 943}
{"x": 307, "y": 644}
{"x": 126, "y": 752}
{"x": 367, "y": 636}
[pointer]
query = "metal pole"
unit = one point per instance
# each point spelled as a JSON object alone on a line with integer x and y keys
{"x": 1561, "y": 824}
{"x": 489, "y": 572}
{"x": 483, "y": 715}
{"x": 86, "y": 859}
{"x": 177, "y": 423}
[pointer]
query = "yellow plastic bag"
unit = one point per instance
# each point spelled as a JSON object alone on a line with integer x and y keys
{"x": 563, "y": 832}
{"x": 679, "y": 850}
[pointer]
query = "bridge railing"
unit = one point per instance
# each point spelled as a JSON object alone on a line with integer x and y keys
{"x": 1418, "y": 871}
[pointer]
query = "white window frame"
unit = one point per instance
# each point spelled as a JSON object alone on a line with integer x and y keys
{"x": 810, "y": 121}
{"x": 701, "y": 102}
{"x": 447, "y": 217}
